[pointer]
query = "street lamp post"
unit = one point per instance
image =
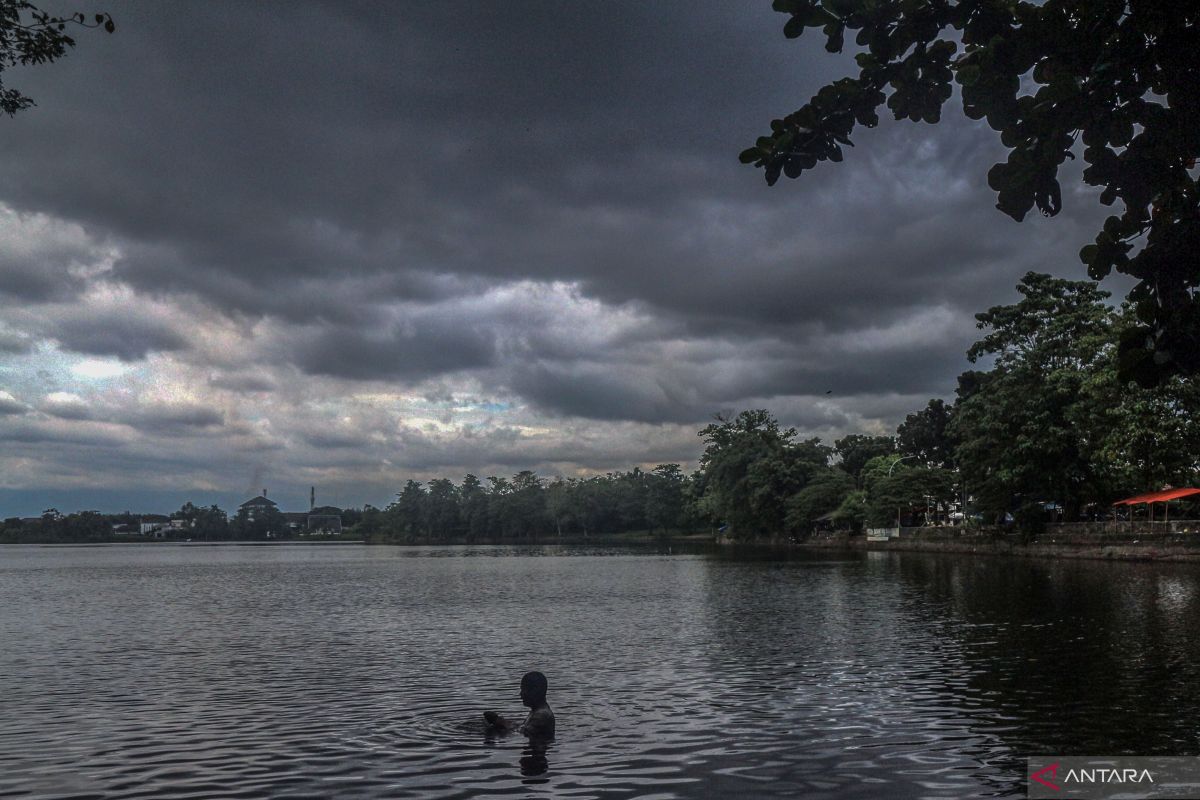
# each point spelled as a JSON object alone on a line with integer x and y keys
{"x": 892, "y": 467}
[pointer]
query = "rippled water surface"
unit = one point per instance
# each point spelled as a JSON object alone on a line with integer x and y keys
{"x": 350, "y": 671}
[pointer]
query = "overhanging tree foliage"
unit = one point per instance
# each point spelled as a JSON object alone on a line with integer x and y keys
{"x": 1119, "y": 77}
{"x": 31, "y": 36}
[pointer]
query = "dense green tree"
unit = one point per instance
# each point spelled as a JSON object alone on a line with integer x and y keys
{"x": 877, "y": 469}
{"x": 923, "y": 435}
{"x": 1121, "y": 77}
{"x": 1023, "y": 438}
{"x": 1145, "y": 439}
{"x": 825, "y": 492}
{"x": 31, "y": 36}
{"x": 752, "y": 467}
{"x": 852, "y": 512}
{"x": 907, "y": 493}
{"x": 856, "y": 450}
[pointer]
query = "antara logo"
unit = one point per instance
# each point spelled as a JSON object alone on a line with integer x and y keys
{"x": 1047, "y": 776}
{"x": 1108, "y": 775}
{"x": 1040, "y": 777}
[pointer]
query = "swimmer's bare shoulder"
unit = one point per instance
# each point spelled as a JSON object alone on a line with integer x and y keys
{"x": 539, "y": 723}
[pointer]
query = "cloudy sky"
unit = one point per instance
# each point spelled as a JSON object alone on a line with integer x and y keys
{"x": 268, "y": 245}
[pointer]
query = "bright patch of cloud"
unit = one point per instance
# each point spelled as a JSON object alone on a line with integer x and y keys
{"x": 99, "y": 369}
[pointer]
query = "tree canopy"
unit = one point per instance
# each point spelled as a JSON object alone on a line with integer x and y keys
{"x": 1117, "y": 80}
{"x": 30, "y": 36}
{"x": 1052, "y": 421}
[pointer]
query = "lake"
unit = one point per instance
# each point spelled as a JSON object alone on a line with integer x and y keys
{"x": 352, "y": 671}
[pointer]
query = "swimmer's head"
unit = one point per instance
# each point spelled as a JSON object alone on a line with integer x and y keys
{"x": 533, "y": 689}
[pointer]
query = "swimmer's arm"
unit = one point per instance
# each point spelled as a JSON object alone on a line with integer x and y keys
{"x": 496, "y": 721}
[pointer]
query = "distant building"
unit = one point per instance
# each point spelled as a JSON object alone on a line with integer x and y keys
{"x": 153, "y": 524}
{"x": 257, "y": 505}
{"x": 329, "y": 520}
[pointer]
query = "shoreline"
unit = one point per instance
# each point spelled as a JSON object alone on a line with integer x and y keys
{"x": 1167, "y": 548}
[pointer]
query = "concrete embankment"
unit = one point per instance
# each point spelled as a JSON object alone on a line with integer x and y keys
{"x": 1169, "y": 542}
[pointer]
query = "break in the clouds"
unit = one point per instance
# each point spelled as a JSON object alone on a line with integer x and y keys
{"x": 345, "y": 244}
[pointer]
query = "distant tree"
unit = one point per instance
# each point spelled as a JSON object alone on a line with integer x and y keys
{"x": 590, "y": 504}
{"x": 187, "y": 512}
{"x": 664, "y": 497}
{"x": 266, "y": 523}
{"x": 527, "y": 505}
{"x": 502, "y": 521}
{"x": 441, "y": 510}
{"x": 373, "y": 525}
{"x": 1121, "y": 76}
{"x": 473, "y": 503}
{"x": 407, "y": 513}
{"x": 31, "y": 36}
{"x": 211, "y": 523}
{"x": 558, "y": 504}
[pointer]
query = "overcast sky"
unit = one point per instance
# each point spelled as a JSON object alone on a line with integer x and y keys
{"x": 251, "y": 246}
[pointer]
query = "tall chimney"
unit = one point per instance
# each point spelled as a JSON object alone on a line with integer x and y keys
{"x": 312, "y": 498}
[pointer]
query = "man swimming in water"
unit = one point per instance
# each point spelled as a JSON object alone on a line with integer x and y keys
{"x": 540, "y": 722}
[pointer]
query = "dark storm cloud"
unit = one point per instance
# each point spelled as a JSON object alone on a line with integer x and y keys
{"x": 172, "y": 420}
{"x": 601, "y": 393}
{"x": 320, "y": 165}
{"x": 11, "y": 407}
{"x": 41, "y": 275}
{"x": 14, "y": 343}
{"x": 242, "y": 382}
{"x": 433, "y": 140}
{"x": 38, "y": 433}
{"x": 68, "y": 408}
{"x": 427, "y": 348}
{"x": 124, "y": 335}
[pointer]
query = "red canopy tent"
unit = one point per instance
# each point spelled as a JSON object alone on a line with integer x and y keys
{"x": 1156, "y": 497}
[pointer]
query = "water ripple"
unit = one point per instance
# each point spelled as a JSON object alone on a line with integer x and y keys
{"x": 362, "y": 672}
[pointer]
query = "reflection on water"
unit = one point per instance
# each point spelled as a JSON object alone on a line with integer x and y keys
{"x": 172, "y": 672}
